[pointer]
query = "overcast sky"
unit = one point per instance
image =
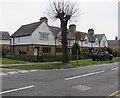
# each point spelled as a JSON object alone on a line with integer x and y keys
{"x": 101, "y": 15}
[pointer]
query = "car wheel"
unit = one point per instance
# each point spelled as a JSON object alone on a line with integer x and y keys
{"x": 93, "y": 59}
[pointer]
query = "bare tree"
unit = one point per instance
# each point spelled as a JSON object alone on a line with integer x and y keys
{"x": 64, "y": 11}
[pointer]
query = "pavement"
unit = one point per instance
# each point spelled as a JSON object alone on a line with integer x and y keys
{"x": 1, "y": 65}
{"x": 96, "y": 80}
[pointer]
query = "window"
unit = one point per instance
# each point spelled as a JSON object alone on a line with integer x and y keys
{"x": 18, "y": 39}
{"x": 86, "y": 41}
{"x": 104, "y": 43}
{"x": 46, "y": 50}
{"x": 58, "y": 50}
{"x": 43, "y": 35}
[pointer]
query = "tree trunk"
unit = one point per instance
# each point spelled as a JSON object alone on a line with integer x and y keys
{"x": 65, "y": 55}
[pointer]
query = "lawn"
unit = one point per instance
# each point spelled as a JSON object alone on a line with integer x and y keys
{"x": 11, "y": 61}
{"x": 90, "y": 62}
{"x": 59, "y": 65}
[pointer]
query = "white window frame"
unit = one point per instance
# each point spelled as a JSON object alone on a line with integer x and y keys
{"x": 44, "y": 36}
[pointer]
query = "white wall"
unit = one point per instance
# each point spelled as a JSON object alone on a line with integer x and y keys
{"x": 104, "y": 39}
{"x": 86, "y": 45}
{"x": 4, "y": 42}
{"x": 96, "y": 45}
{"x": 22, "y": 40}
{"x": 35, "y": 37}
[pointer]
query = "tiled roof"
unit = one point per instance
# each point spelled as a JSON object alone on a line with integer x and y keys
{"x": 99, "y": 36}
{"x": 29, "y": 29}
{"x": 4, "y": 35}
{"x": 26, "y": 29}
{"x": 90, "y": 37}
{"x": 54, "y": 30}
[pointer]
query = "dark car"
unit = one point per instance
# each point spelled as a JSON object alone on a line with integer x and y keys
{"x": 103, "y": 55}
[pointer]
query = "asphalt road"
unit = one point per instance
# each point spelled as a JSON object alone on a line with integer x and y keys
{"x": 97, "y": 80}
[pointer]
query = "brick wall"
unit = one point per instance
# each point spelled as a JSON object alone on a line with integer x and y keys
{"x": 29, "y": 50}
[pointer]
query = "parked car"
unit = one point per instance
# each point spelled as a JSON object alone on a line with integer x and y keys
{"x": 103, "y": 55}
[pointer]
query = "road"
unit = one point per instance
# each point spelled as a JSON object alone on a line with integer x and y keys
{"x": 96, "y": 80}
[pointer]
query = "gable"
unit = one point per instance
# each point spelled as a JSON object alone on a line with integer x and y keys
{"x": 43, "y": 30}
{"x": 86, "y": 37}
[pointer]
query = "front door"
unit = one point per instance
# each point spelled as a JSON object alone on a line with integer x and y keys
{"x": 35, "y": 51}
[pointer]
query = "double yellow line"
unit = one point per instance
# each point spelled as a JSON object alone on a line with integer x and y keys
{"x": 115, "y": 94}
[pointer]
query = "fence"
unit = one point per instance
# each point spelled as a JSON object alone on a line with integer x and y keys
{"x": 45, "y": 58}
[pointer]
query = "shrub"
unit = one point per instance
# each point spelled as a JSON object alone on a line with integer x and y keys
{"x": 75, "y": 48}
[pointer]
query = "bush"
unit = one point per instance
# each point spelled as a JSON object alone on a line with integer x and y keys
{"x": 75, "y": 48}
{"x": 109, "y": 50}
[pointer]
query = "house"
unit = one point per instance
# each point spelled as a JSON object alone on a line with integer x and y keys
{"x": 36, "y": 39}
{"x": 114, "y": 44}
{"x": 39, "y": 39}
{"x": 88, "y": 41}
{"x": 5, "y": 41}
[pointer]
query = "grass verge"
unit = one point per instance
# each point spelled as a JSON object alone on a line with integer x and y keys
{"x": 59, "y": 65}
{"x": 11, "y": 61}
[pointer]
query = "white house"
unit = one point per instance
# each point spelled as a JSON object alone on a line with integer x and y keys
{"x": 39, "y": 38}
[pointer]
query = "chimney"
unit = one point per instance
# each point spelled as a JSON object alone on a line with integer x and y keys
{"x": 91, "y": 31}
{"x": 116, "y": 38}
{"x": 42, "y": 19}
{"x": 72, "y": 27}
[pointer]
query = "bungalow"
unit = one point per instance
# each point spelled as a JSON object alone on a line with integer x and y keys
{"x": 39, "y": 39}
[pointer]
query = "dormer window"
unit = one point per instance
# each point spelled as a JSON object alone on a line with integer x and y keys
{"x": 44, "y": 35}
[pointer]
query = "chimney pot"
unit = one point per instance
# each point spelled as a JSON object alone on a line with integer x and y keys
{"x": 44, "y": 19}
{"x": 72, "y": 27}
{"x": 91, "y": 31}
{"x": 116, "y": 38}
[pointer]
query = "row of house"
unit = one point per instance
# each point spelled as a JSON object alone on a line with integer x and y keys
{"x": 40, "y": 38}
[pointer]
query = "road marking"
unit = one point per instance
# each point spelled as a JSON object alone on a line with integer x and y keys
{"x": 93, "y": 73}
{"x": 16, "y": 72}
{"x": 113, "y": 94}
{"x": 118, "y": 95}
{"x": 23, "y": 71}
{"x": 114, "y": 68}
{"x": 17, "y": 89}
{"x": 12, "y": 72}
{"x": 32, "y": 70}
{"x": 2, "y": 74}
